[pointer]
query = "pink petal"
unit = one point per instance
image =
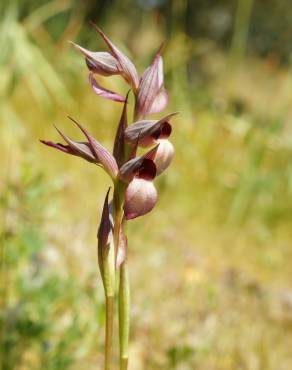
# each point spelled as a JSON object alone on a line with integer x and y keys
{"x": 101, "y": 91}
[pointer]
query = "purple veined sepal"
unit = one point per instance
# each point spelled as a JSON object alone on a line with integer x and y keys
{"x": 91, "y": 151}
{"x": 106, "y": 250}
{"x": 151, "y": 96}
{"x": 102, "y": 91}
{"x": 125, "y": 66}
{"x": 149, "y": 131}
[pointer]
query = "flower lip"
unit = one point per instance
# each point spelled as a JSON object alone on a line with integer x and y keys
{"x": 163, "y": 131}
{"x": 131, "y": 169}
{"x": 147, "y": 170}
{"x": 101, "y": 91}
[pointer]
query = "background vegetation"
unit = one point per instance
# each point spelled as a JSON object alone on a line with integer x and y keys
{"x": 211, "y": 266}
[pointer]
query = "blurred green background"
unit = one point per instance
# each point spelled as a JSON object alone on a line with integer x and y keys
{"x": 211, "y": 265}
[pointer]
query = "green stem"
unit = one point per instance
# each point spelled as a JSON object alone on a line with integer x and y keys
{"x": 109, "y": 303}
{"x": 124, "y": 315}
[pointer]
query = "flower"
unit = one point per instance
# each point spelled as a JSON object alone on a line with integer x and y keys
{"x": 149, "y": 132}
{"x": 109, "y": 63}
{"x": 133, "y": 176}
{"x": 151, "y": 96}
{"x": 141, "y": 194}
{"x": 92, "y": 150}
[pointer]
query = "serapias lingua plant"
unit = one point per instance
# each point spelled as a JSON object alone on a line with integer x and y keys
{"x": 134, "y": 192}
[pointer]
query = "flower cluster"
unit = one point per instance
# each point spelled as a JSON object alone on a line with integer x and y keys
{"x": 123, "y": 165}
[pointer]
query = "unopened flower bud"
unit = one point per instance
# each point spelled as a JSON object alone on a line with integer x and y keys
{"x": 141, "y": 197}
{"x": 163, "y": 156}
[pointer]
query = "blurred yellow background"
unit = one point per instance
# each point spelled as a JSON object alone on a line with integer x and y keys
{"x": 211, "y": 265}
